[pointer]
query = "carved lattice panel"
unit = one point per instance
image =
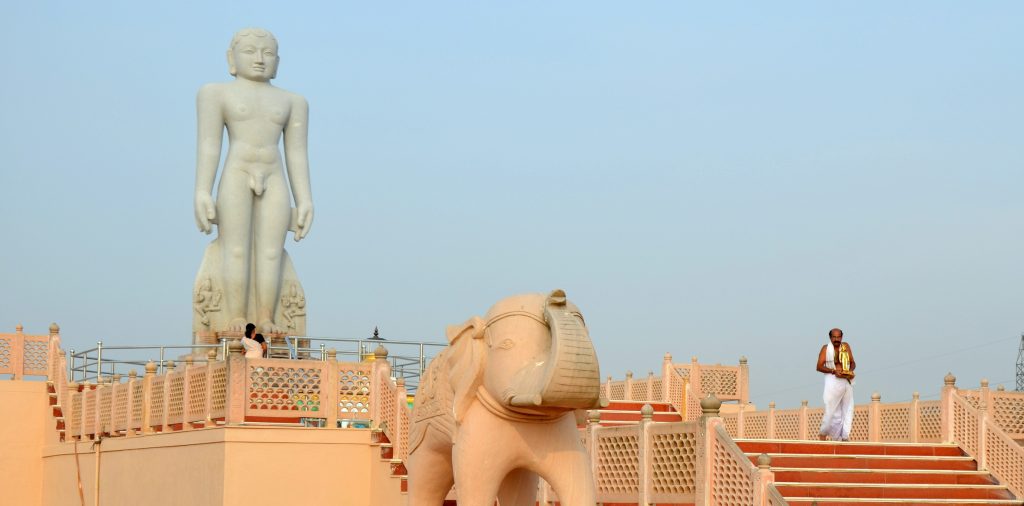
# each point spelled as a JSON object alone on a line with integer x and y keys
{"x": 895, "y": 422}
{"x": 120, "y": 394}
{"x": 285, "y": 390}
{"x": 859, "y": 429}
{"x": 618, "y": 390}
{"x": 89, "y": 405}
{"x": 36, "y": 356}
{"x": 76, "y": 413}
{"x": 683, "y": 370}
{"x": 175, "y": 397}
{"x": 196, "y": 409}
{"x": 732, "y": 484}
{"x": 755, "y": 425}
{"x": 1005, "y": 458}
{"x": 814, "y": 417}
{"x": 106, "y": 409}
{"x": 929, "y": 421}
{"x": 638, "y": 392}
{"x": 218, "y": 389}
{"x": 6, "y": 343}
{"x": 676, "y": 393}
{"x": 156, "y": 401}
{"x": 965, "y": 427}
{"x": 673, "y": 460}
{"x": 722, "y": 382}
{"x": 972, "y": 397}
{"x": 657, "y": 390}
{"x": 731, "y": 423}
{"x": 693, "y": 410}
{"x": 618, "y": 469}
{"x": 137, "y": 400}
{"x": 787, "y": 424}
{"x": 388, "y": 416}
{"x": 1008, "y": 412}
{"x": 403, "y": 431}
{"x": 353, "y": 391}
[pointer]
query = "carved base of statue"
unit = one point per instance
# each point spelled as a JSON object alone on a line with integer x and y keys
{"x": 209, "y": 314}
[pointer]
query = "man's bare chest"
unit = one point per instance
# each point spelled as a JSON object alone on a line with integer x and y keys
{"x": 271, "y": 107}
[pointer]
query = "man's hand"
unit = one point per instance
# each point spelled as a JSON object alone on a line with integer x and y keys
{"x": 304, "y": 221}
{"x": 206, "y": 212}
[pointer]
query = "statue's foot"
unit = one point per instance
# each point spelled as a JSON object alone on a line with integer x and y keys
{"x": 270, "y": 327}
{"x": 237, "y": 325}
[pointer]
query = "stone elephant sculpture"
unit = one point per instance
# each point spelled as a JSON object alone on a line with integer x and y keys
{"x": 495, "y": 409}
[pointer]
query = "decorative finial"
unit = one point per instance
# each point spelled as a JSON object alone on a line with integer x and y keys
{"x": 54, "y": 329}
{"x": 150, "y": 368}
{"x": 132, "y": 374}
{"x": 668, "y": 357}
{"x": 376, "y": 335}
{"x": 629, "y": 374}
{"x": 764, "y": 461}
{"x": 803, "y": 403}
{"x": 1000, "y": 388}
{"x": 332, "y": 354}
{"x": 169, "y": 365}
{"x": 875, "y": 397}
{"x": 646, "y": 413}
{"x": 984, "y": 382}
{"x": 743, "y": 360}
{"x": 949, "y": 380}
{"x": 381, "y": 352}
{"x": 211, "y": 355}
{"x": 235, "y": 347}
{"x": 710, "y": 405}
{"x": 18, "y": 328}
{"x": 593, "y": 417}
{"x": 771, "y": 404}
{"x": 916, "y": 396}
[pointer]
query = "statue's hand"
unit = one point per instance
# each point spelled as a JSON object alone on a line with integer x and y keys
{"x": 206, "y": 212}
{"x": 304, "y": 221}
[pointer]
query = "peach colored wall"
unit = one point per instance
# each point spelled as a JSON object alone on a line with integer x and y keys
{"x": 242, "y": 465}
{"x": 24, "y": 420}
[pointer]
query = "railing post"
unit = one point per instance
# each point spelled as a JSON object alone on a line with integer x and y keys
{"x": 915, "y": 416}
{"x": 695, "y": 384}
{"x": 18, "y": 353}
{"x": 666, "y": 378}
{"x": 706, "y": 448}
{"x": 329, "y": 391}
{"x": 650, "y": 387}
{"x": 804, "y": 429}
{"x": 743, "y": 381}
{"x": 234, "y": 412}
{"x": 875, "y": 418}
{"x": 628, "y": 393}
{"x": 740, "y": 422}
{"x": 99, "y": 362}
{"x": 211, "y": 358}
{"x": 771, "y": 420}
{"x": 983, "y": 421}
{"x": 644, "y": 454}
{"x": 380, "y": 371}
{"x": 186, "y": 392}
{"x": 129, "y": 428}
{"x": 166, "y": 378}
{"x": 400, "y": 405}
{"x": 946, "y": 408}
{"x": 608, "y": 388}
{"x": 147, "y": 397}
{"x": 593, "y": 420}
{"x": 764, "y": 477}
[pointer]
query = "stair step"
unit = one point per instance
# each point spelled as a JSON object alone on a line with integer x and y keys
{"x": 868, "y": 461}
{"x": 893, "y": 476}
{"x": 887, "y": 491}
{"x": 846, "y": 448}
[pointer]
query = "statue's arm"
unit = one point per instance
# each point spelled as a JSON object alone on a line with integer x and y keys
{"x": 210, "y": 135}
{"x": 297, "y": 160}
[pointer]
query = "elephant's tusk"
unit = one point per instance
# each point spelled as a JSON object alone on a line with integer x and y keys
{"x": 525, "y": 400}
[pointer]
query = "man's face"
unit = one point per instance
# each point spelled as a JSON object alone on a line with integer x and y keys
{"x": 836, "y": 337}
{"x": 255, "y": 58}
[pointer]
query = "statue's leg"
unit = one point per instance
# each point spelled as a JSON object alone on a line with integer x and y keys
{"x": 272, "y": 212}
{"x": 565, "y": 464}
{"x": 519, "y": 488}
{"x": 234, "y": 221}
{"x": 430, "y": 471}
{"x": 479, "y": 468}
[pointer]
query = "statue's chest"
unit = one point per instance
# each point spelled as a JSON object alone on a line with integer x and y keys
{"x": 256, "y": 106}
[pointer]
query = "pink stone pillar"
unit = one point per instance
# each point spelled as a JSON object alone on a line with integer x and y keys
{"x": 771, "y": 420}
{"x": 695, "y": 383}
{"x": 400, "y": 406}
{"x": 706, "y": 448}
{"x": 946, "y": 407}
{"x": 983, "y": 421}
{"x": 667, "y": 377}
{"x": 380, "y": 372}
{"x": 18, "y": 353}
{"x": 915, "y": 416}
{"x": 875, "y": 418}
{"x": 608, "y": 388}
{"x": 628, "y": 391}
{"x": 147, "y": 397}
{"x": 644, "y": 454}
{"x": 593, "y": 421}
{"x": 740, "y": 415}
{"x": 650, "y": 387}
{"x": 234, "y": 409}
{"x": 329, "y": 391}
{"x": 804, "y": 429}
{"x": 133, "y": 400}
{"x": 211, "y": 361}
{"x": 743, "y": 381}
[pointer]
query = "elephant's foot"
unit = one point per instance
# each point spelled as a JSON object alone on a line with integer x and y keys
{"x": 270, "y": 327}
{"x": 237, "y": 325}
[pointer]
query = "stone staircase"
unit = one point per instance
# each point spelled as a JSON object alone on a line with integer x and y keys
{"x": 835, "y": 474}
{"x": 387, "y": 456}
{"x": 628, "y": 412}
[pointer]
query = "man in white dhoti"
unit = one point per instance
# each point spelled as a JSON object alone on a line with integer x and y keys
{"x": 836, "y": 361}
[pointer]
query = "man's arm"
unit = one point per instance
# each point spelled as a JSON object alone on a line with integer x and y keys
{"x": 296, "y": 158}
{"x": 210, "y": 135}
{"x": 821, "y": 362}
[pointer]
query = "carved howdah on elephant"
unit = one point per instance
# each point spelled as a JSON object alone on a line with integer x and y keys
{"x": 495, "y": 409}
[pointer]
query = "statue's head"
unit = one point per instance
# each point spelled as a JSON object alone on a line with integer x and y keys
{"x": 253, "y": 55}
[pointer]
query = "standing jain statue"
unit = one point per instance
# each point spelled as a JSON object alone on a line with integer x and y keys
{"x": 246, "y": 274}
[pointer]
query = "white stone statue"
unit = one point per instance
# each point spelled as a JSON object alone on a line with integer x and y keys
{"x": 247, "y": 262}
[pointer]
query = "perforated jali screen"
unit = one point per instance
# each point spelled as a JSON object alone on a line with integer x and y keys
{"x": 618, "y": 463}
{"x": 673, "y": 458}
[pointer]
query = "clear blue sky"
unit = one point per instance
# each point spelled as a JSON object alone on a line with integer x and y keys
{"x": 710, "y": 181}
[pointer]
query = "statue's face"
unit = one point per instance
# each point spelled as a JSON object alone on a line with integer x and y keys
{"x": 254, "y": 58}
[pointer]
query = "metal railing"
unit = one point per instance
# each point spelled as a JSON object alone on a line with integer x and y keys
{"x": 408, "y": 359}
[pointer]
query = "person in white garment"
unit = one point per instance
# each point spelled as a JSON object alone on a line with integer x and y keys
{"x": 253, "y": 349}
{"x": 836, "y": 361}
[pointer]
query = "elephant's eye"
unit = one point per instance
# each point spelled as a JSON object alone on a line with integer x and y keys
{"x": 507, "y": 344}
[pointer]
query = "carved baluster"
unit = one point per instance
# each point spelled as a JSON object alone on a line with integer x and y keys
{"x": 628, "y": 394}
{"x": 804, "y": 429}
{"x": 329, "y": 390}
{"x": 237, "y": 384}
{"x": 915, "y": 416}
{"x": 771, "y": 420}
{"x": 644, "y": 453}
{"x": 875, "y": 418}
{"x": 666, "y": 378}
{"x": 946, "y": 410}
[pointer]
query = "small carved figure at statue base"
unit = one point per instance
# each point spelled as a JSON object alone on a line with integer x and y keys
{"x": 496, "y": 408}
{"x": 247, "y": 262}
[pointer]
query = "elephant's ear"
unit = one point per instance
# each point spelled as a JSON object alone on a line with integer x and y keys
{"x": 466, "y": 362}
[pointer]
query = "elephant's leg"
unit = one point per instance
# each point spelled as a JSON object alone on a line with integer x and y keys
{"x": 519, "y": 488}
{"x": 478, "y": 474}
{"x": 430, "y": 472}
{"x": 571, "y": 478}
